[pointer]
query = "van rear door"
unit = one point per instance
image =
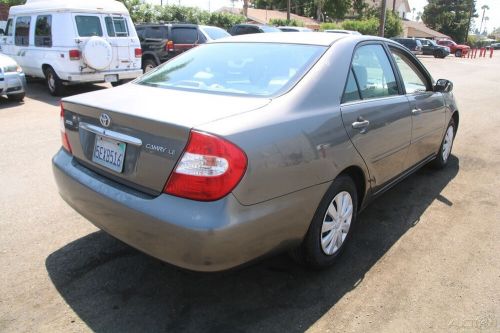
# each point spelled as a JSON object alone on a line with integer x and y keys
{"x": 122, "y": 37}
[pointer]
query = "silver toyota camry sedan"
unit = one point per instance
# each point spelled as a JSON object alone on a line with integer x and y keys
{"x": 251, "y": 145}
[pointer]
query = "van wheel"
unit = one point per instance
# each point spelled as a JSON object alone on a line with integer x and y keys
{"x": 16, "y": 97}
{"x": 331, "y": 226}
{"x": 54, "y": 83}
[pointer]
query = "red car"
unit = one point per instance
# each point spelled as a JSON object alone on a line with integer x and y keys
{"x": 457, "y": 49}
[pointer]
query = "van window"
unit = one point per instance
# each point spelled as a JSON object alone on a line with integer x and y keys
{"x": 22, "y": 36}
{"x": 88, "y": 26}
{"x": 8, "y": 29}
{"x": 43, "y": 31}
{"x": 116, "y": 26}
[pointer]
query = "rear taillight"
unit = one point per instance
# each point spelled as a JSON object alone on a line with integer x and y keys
{"x": 64, "y": 135}
{"x": 209, "y": 169}
{"x": 169, "y": 47}
{"x": 74, "y": 54}
{"x": 138, "y": 53}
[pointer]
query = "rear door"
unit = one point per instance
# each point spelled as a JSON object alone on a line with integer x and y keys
{"x": 375, "y": 114}
{"x": 428, "y": 107}
{"x": 120, "y": 35}
{"x": 183, "y": 38}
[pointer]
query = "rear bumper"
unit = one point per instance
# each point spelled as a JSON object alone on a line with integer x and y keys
{"x": 201, "y": 236}
{"x": 12, "y": 83}
{"x": 99, "y": 76}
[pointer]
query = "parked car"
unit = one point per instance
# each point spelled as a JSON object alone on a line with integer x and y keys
{"x": 295, "y": 29}
{"x": 457, "y": 49}
{"x": 271, "y": 149}
{"x": 430, "y": 47}
{"x": 339, "y": 31}
{"x": 245, "y": 29}
{"x": 414, "y": 45}
{"x": 12, "y": 80}
{"x": 161, "y": 42}
{"x": 495, "y": 46}
{"x": 71, "y": 41}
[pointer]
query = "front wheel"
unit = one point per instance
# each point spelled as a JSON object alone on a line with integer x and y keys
{"x": 16, "y": 97}
{"x": 444, "y": 152}
{"x": 331, "y": 225}
{"x": 458, "y": 54}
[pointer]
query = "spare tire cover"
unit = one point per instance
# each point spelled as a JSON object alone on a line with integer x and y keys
{"x": 97, "y": 53}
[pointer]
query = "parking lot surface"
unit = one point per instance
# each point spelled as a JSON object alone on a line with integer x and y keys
{"x": 423, "y": 257}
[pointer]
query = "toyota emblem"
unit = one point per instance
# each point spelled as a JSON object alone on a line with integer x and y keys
{"x": 105, "y": 120}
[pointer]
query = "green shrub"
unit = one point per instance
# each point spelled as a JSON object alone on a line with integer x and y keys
{"x": 283, "y": 22}
{"x": 329, "y": 25}
{"x": 365, "y": 27}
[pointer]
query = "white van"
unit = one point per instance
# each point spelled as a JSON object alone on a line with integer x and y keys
{"x": 73, "y": 41}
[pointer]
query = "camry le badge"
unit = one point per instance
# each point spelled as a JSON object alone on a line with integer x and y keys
{"x": 105, "y": 120}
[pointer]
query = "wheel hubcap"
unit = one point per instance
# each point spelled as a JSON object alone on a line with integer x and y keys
{"x": 336, "y": 223}
{"x": 448, "y": 142}
{"x": 51, "y": 82}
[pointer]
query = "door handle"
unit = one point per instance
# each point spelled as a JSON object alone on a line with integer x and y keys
{"x": 416, "y": 111}
{"x": 360, "y": 124}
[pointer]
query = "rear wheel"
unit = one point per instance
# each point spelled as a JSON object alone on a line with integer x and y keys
{"x": 444, "y": 152}
{"x": 16, "y": 97}
{"x": 54, "y": 83}
{"x": 331, "y": 225}
{"x": 458, "y": 53}
{"x": 148, "y": 65}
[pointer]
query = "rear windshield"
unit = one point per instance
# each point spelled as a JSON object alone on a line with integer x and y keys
{"x": 116, "y": 26}
{"x": 255, "y": 69}
{"x": 88, "y": 26}
{"x": 215, "y": 33}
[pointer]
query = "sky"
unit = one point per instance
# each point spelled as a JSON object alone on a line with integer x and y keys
{"x": 493, "y": 13}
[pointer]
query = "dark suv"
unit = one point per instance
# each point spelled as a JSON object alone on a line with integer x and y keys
{"x": 414, "y": 45}
{"x": 161, "y": 42}
{"x": 430, "y": 47}
{"x": 245, "y": 29}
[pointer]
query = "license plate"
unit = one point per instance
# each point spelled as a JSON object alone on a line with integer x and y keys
{"x": 109, "y": 153}
{"x": 111, "y": 78}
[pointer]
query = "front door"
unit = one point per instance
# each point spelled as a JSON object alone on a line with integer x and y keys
{"x": 375, "y": 114}
{"x": 428, "y": 108}
{"x": 8, "y": 38}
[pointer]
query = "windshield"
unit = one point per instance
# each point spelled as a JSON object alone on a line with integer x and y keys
{"x": 215, "y": 33}
{"x": 256, "y": 69}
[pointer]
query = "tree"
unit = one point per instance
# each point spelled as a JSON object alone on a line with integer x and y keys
{"x": 449, "y": 17}
{"x": 13, "y": 2}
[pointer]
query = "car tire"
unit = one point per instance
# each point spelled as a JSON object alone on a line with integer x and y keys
{"x": 53, "y": 81}
{"x": 119, "y": 83}
{"x": 148, "y": 64}
{"x": 458, "y": 53}
{"x": 16, "y": 97}
{"x": 316, "y": 250}
{"x": 446, "y": 146}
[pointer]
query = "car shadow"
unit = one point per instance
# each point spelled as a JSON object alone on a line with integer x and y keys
{"x": 113, "y": 287}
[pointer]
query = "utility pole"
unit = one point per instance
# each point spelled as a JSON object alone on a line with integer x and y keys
{"x": 382, "y": 19}
{"x": 288, "y": 11}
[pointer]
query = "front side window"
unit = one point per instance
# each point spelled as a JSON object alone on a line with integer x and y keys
{"x": 8, "y": 29}
{"x": 43, "y": 31}
{"x": 116, "y": 26}
{"x": 88, "y": 26}
{"x": 22, "y": 37}
{"x": 413, "y": 79}
{"x": 236, "y": 68}
{"x": 184, "y": 35}
{"x": 373, "y": 72}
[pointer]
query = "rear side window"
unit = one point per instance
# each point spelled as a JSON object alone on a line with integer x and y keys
{"x": 43, "y": 31}
{"x": 22, "y": 36}
{"x": 155, "y": 33}
{"x": 8, "y": 29}
{"x": 116, "y": 26}
{"x": 351, "y": 92}
{"x": 184, "y": 35}
{"x": 88, "y": 26}
{"x": 373, "y": 72}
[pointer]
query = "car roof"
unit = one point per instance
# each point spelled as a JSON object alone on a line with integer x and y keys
{"x": 87, "y": 6}
{"x": 307, "y": 38}
{"x": 177, "y": 24}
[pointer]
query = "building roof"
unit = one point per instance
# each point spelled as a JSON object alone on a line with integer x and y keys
{"x": 417, "y": 29}
{"x": 32, "y": 6}
{"x": 263, "y": 16}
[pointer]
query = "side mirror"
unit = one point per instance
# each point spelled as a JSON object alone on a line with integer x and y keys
{"x": 443, "y": 85}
